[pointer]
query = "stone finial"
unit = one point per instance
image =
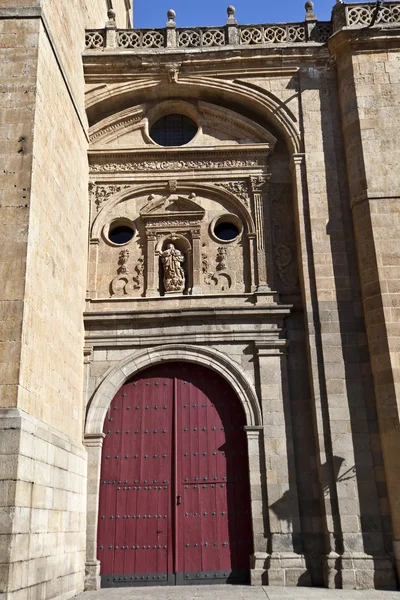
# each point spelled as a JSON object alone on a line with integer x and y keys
{"x": 171, "y": 14}
{"x": 111, "y": 14}
{"x": 310, "y": 14}
{"x": 231, "y": 15}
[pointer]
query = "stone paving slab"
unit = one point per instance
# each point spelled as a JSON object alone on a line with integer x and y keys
{"x": 226, "y": 592}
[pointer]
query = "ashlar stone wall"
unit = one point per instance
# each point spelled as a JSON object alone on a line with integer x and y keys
{"x": 369, "y": 89}
{"x": 44, "y": 216}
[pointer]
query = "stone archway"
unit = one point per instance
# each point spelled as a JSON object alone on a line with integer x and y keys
{"x": 115, "y": 379}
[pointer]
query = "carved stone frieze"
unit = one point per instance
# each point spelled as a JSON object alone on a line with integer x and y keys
{"x": 176, "y": 165}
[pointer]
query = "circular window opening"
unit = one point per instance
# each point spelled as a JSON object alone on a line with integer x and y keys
{"x": 173, "y": 130}
{"x": 121, "y": 234}
{"x": 226, "y": 232}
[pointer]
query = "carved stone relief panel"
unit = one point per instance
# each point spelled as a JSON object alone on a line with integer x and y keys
{"x": 173, "y": 250}
{"x": 284, "y": 238}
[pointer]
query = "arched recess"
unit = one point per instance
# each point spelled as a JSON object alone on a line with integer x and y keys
{"x": 208, "y": 357}
{"x": 159, "y": 188}
{"x": 264, "y": 105}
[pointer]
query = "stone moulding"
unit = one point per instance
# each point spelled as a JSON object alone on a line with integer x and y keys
{"x": 140, "y": 360}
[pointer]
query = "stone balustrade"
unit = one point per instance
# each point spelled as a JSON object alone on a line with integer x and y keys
{"x": 230, "y": 34}
{"x": 353, "y": 14}
{"x": 365, "y": 14}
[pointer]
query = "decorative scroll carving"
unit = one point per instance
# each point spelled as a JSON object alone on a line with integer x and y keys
{"x": 220, "y": 280}
{"x": 238, "y": 188}
{"x": 222, "y": 259}
{"x": 205, "y": 266}
{"x": 174, "y": 275}
{"x": 103, "y": 192}
{"x": 138, "y": 278}
{"x": 121, "y": 285}
{"x": 284, "y": 237}
{"x": 177, "y": 165}
{"x": 123, "y": 259}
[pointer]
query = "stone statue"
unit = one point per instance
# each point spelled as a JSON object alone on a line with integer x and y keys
{"x": 174, "y": 276}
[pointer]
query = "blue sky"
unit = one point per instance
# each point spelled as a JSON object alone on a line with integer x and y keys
{"x": 152, "y": 13}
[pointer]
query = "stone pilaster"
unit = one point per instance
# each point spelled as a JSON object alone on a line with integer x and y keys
{"x": 92, "y": 268}
{"x": 262, "y": 218}
{"x": 196, "y": 259}
{"x": 151, "y": 265}
{"x": 94, "y": 445}
{"x": 286, "y": 564}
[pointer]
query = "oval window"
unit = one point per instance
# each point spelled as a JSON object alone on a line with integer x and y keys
{"x": 173, "y": 130}
{"x": 226, "y": 232}
{"x": 121, "y": 234}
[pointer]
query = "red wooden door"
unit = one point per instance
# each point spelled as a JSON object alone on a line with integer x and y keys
{"x": 174, "y": 492}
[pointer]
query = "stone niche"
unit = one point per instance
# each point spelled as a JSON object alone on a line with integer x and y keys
{"x": 180, "y": 243}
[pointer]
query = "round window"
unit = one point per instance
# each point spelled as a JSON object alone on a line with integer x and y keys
{"x": 120, "y": 234}
{"x": 173, "y": 130}
{"x": 226, "y": 232}
{"x": 226, "y": 228}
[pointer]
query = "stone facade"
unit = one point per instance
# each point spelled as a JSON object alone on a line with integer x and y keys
{"x": 295, "y": 151}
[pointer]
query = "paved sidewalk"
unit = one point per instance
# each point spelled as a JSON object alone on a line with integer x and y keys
{"x": 233, "y": 592}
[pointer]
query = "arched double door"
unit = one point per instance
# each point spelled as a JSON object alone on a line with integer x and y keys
{"x": 174, "y": 489}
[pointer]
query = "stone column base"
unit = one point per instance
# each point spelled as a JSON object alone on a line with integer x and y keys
{"x": 279, "y": 569}
{"x": 92, "y": 576}
{"x": 358, "y": 571}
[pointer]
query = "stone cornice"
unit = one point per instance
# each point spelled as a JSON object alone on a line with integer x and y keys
{"x": 367, "y": 39}
{"x": 233, "y": 313}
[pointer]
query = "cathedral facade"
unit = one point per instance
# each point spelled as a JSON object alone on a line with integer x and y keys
{"x": 200, "y": 349}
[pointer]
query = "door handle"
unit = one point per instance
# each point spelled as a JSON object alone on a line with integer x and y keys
{"x": 179, "y": 499}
